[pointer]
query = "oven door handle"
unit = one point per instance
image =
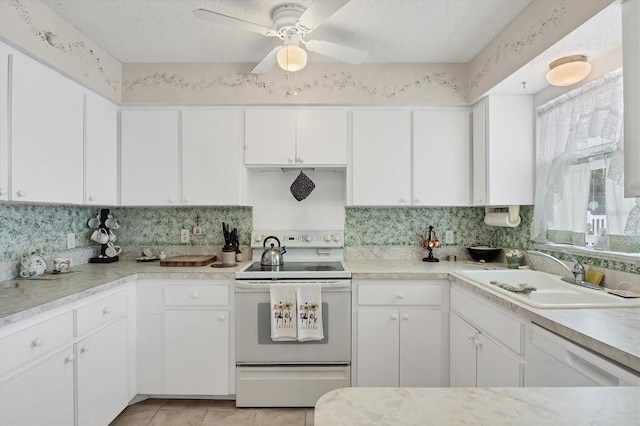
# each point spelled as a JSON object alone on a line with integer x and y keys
{"x": 264, "y": 285}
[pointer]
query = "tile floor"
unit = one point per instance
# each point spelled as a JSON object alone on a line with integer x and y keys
{"x": 206, "y": 412}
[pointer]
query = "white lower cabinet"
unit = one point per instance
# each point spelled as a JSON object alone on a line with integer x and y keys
{"x": 67, "y": 366}
{"x": 183, "y": 337}
{"x": 102, "y": 374}
{"x": 486, "y": 345}
{"x": 42, "y": 395}
{"x": 399, "y": 333}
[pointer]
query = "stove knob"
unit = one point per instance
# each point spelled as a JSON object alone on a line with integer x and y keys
{"x": 306, "y": 238}
{"x": 337, "y": 238}
{"x": 258, "y": 238}
{"x": 327, "y": 238}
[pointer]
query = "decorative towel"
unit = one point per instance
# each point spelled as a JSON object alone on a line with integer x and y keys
{"x": 309, "y": 312}
{"x": 283, "y": 312}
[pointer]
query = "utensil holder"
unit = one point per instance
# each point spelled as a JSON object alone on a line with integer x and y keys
{"x": 513, "y": 262}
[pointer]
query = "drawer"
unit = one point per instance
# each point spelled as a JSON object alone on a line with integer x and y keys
{"x": 489, "y": 319}
{"x": 196, "y": 295}
{"x": 102, "y": 311}
{"x": 26, "y": 345}
{"x": 399, "y": 294}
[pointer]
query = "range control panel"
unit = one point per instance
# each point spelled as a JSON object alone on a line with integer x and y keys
{"x": 294, "y": 239}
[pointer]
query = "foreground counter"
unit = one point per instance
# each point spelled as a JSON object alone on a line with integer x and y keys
{"x": 479, "y": 406}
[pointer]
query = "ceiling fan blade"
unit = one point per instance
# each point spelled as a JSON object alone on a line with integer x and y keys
{"x": 268, "y": 62}
{"x": 319, "y": 11}
{"x": 228, "y": 20}
{"x": 337, "y": 51}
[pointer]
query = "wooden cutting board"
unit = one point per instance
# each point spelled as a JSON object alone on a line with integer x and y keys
{"x": 199, "y": 260}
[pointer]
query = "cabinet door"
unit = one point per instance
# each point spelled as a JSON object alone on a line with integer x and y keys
{"x": 321, "y": 137}
{"x": 149, "y": 160}
{"x": 47, "y": 113}
{"x": 420, "y": 348}
{"x": 631, "y": 65}
{"x": 378, "y": 347}
{"x": 479, "y": 143}
{"x": 102, "y": 374}
{"x": 270, "y": 136}
{"x": 42, "y": 395}
{"x": 211, "y": 157}
{"x": 151, "y": 354}
{"x": 442, "y": 157}
{"x": 4, "y": 130}
{"x": 462, "y": 353}
{"x": 381, "y": 158}
{"x": 197, "y": 362}
{"x": 101, "y": 151}
{"x": 496, "y": 368}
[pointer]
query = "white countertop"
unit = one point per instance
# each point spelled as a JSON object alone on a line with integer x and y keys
{"x": 614, "y": 333}
{"x": 479, "y": 406}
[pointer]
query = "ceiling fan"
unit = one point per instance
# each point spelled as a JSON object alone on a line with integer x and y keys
{"x": 291, "y": 23}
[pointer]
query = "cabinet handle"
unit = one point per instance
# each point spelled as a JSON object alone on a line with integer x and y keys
{"x": 394, "y": 317}
{"x": 290, "y": 160}
{"x": 22, "y": 193}
{"x": 36, "y": 342}
{"x": 3, "y": 191}
{"x": 195, "y": 296}
{"x": 299, "y": 160}
{"x": 187, "y": 200}
{"x": 172, "y": 200}
{"x": 402, "y": 200}
{"x": 222, "y": 317}
{"x": 471, "y": 336}
{"x": 106, "y": 310}
{"x": 400, "y": 296}
{"x": 416, "y": 200}
{"x": 477, "y": 342}
{"x": 92, "y": 198}
{"x": 69, "y": 358}
{"x": 405, "y": 316}
{"x": 84, "y": 348}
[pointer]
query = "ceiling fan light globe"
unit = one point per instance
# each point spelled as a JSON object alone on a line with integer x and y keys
{"x": 292, "y": 58}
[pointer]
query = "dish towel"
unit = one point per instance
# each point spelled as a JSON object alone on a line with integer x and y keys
{"x": 283, "y": 312}
{"x": 309, "y": 312}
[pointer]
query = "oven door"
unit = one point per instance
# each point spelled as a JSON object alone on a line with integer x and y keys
{"x": 253, "y": 328}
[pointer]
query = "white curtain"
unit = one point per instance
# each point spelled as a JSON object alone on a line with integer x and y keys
{"x": 577, "y": 133}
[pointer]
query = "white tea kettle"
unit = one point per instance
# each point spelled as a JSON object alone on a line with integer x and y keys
{"x": 273, "y": 256}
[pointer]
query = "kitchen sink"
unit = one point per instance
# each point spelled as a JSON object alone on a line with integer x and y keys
{"x": 551, "y": 291}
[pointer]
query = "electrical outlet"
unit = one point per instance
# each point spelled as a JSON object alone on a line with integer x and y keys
{"x": 448, "y": 237}
{"x": 184, "y": 236}
{"x": 71, "y": 240}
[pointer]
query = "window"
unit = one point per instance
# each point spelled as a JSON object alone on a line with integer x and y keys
{"x": 579, "y": 184}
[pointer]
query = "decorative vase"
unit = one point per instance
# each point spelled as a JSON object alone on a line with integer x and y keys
{"x": 513, "y": 262}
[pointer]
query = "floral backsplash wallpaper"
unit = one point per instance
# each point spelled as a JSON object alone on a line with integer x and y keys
{"x": 26, "y": 228}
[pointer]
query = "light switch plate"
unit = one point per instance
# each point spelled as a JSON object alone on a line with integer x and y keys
{"x": 448, "y": 237}
{"x": 184, "y": 236}
{"x": 71, "y": 240}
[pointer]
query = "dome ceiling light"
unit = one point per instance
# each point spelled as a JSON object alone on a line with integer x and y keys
{"x": 568, "y": 70}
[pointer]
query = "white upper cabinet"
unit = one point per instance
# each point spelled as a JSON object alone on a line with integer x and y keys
{"x": 4, "y": 130}
{"x": 503, "y": 151}
{"x": 191, "y": 157}
{"x": 381, "y": 172}
{"x": 442, "y": 157}
{"x": 101, "y": 151}
{"x": 286, "y": 137}
{"x": 212, "y": 157}
{"x": 149, "y": 160}
{"x": 631, "y": 76}
{"x": 47, "y": 113}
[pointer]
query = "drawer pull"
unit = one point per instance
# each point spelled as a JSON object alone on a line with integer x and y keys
{"x": 36, "y": 342}
{"x": 394, "y": 317}
{"x": 195, "y": 296}
{"x": 69, "y": 358}
{"x": 84, "y": 348}
{"x": 222, "y": 317}
{"x": 400, "y": 296}
{"x": 405, "y": 316}
{"x": 106, "y": 310}
{"x": 471, "y": 336}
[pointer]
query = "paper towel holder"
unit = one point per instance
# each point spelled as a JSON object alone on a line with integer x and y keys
{"x": 507, "y": 216}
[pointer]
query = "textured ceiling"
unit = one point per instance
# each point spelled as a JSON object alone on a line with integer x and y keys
{"x": 426, "y": 31}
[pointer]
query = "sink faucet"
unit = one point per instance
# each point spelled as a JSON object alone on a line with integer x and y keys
{"x": 577, "y": 271}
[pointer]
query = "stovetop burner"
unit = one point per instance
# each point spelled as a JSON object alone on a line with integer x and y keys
{"x": 297, "y": 267}
{"x": 295, "y": 270}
